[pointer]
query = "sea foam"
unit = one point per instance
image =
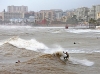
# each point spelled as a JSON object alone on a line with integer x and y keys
{"x": 84, "y": 62}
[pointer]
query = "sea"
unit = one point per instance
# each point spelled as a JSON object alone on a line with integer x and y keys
{"x": 25, "y": 43}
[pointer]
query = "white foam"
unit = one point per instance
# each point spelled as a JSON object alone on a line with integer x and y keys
{"x": 49, "y": 27}
{"x": 1, "y": 43}
{"x": 27, "y": 44}
{"x": 56, "y": 32}
{"x": 39, "y": 46}
{"x": 70, "y": 50}
{"x": 82, "y": 30}
{"x": 52, "y": 50}
{"x": 13, "y": 27}
{"x": 84, "y": 62}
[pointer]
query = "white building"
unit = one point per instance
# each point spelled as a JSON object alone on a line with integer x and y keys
{"x": 58, "y": 14}
{"x": 94, "y": 11}
{"x": 17, "y": 9}
{"x": 81, "y": 13}
{"x": 6, "y": 16}
{"x": 91, "y": 13}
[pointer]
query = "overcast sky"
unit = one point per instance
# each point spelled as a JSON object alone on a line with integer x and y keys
{"x": 36, "y": 5}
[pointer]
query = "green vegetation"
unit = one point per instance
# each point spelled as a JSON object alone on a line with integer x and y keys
{"x": 98, "y": 22}
{"x": 92, "y": 21}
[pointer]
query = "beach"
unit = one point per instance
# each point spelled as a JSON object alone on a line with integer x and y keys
{"x": 34, "y": 47}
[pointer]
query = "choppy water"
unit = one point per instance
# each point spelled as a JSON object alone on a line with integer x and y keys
{"x": 84, "y": 53}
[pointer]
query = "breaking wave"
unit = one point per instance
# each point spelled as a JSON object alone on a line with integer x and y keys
{"x": 7, "y": 27}
{"x": 35, "y": 45}
{"x": 40, "y": 47}
{"x": 82, "y": 31}
{"x": 27, "y": 44}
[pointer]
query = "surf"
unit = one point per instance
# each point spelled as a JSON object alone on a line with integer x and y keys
{"x": 84, "y": 62}
{"x": 37, "y": 46}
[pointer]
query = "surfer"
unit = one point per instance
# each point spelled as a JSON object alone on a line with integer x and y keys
{"x": 67, "y": 55}
{"x": 62, "y": 54}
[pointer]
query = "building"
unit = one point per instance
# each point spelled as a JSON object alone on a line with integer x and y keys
{"x": 49, "y": 15}
{"x": 81, "y": 13}
{"x": 7, "y": 16}
{"x": 69, "y": 13}
{"x": 98, "y": 15}
{"x": 15, "y": 13}
{"x": 97, "y": 11}
{"x": 0, "y": 18}
{"x": 44, "y": 15}
{"x": 28, "y": 14}
{"x": 17, "y": 9}
{"x": 93, "y": 12}
{"x": 58, "y": 14}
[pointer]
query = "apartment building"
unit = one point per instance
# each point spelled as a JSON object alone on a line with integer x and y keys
{"x": 53, "y": 15}
{"x": 98, "y": 15}
{"x": 13, "y": 12}
{"x": 6, "y": 16}
{"x": 17, "y": 9}
{"x": 44, "y": 14}
{"x": 69, "y": 14}
{"x": 81, "y": 13}
{"x": 97, "y": 11}
{"x": 0, "y": 17}
{"x": 93, "y": 12}
{"x": 58, "y": 14}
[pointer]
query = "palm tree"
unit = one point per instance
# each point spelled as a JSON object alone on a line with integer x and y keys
{"x": 92, "y": 21}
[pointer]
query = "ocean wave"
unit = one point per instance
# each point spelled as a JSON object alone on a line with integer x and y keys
{"x": 52, "y": 59}
{"x": 10, "y": 50}
{"x": 82, "y": 31}
{"x": 7, "y": 27}
{"x": 27, "y": 44}
{"x": 35, "y": 45}
{"x": 56, "y": 32}
{"x": 84, "y": 62}
{"x": 49, "y": 27}
{"x": 1, "y": 43}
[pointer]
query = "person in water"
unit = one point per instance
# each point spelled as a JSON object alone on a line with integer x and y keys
{"x": 63, "y": 54}
{"x": 67, "y": 55}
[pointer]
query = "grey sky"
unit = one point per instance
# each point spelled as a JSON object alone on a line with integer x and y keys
{"x": 37, "y": 5}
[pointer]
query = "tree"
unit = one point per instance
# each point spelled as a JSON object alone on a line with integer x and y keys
{"x": 98, "y": 21}
{"x": 92, "y": 23}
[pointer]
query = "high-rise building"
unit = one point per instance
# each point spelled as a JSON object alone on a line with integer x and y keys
{"x": 98, "y": 15}
{"x": 81, "y": 13}
{"x": 6, "y": 16}
{"x": 94, "y": 11}
{"x": 45, "y": 14}
{"x": 17, "y": 9}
